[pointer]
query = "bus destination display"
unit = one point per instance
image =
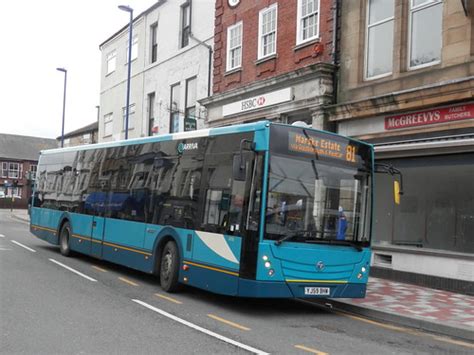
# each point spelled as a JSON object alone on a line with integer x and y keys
{"x": 321, "y": 146}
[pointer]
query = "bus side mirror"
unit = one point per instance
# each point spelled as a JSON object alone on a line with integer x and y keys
{"x": 397, "y": 185}
{"x": 396, "y": 192}
{"x": 239, "y": 168}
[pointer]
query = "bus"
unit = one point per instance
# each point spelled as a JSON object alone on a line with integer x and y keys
{"x": 253, "y": 210}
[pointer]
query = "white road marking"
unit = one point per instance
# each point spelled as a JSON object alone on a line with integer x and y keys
{"x": 74, "y": 271}
{"x": 3, "y": 249}
{"x": 23, "y": 246}
{"x": 2, "y": 236}
{"x": 200, "y": 329}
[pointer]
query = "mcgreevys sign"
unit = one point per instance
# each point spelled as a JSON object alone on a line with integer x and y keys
{"x": 428, "y": 117}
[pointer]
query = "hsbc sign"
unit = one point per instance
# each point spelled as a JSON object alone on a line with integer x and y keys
{"x": 257, "y": 102}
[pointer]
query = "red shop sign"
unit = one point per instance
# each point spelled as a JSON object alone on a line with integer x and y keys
{"x": 422, "y": 118}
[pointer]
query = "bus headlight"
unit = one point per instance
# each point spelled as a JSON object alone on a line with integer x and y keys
{"x": 271, "y": 272}
{"x": 265, "y": 258}
{"x": 359, "y": 275}
{"x": 267, "y": 264}
{"x": 363, "y": 269}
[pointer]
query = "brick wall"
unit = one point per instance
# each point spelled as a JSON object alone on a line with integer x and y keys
{"x": 289, "y": 56}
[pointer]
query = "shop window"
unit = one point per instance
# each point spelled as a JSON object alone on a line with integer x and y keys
{"x": 174, "y": 108}
{"x": 437, "y": 208}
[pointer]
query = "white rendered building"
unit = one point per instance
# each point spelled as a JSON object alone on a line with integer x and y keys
{"x": 170, "y": 71}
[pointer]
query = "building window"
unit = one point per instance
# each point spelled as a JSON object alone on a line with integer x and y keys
{"x": 134, "y": 49}
{"x": 174, "y": 108}
{"x": 308, "y": 20}
{"x": 425, "y": 34}
{"x": 87, "y": 138}
{"x": 4, "y": 170}
{"x": 108, "y": 124}
{"x": 131, "y": 112}
{"x": 14, "y": 170}
{"x": 154, "y": 42}
{"x": 267, "y": 31}
{"x": 379, "y": 38}
{"x": 33, "y": 170}
{"x": 111, "y": 62}
{"x": 185, "y": 23}
{"x": 67, "y": 142}
{"x": 234, "y": 46}
{"x": 14, "y": 192}
{"x": 190, "y": 105}
{"x": 151, "y": 113}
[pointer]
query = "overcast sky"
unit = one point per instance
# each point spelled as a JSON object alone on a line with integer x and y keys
{"x": 39, "y": 36}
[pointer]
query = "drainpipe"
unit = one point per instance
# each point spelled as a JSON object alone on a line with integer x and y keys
{"x": 335, "y": 46}
{"x": 209, "y": 47}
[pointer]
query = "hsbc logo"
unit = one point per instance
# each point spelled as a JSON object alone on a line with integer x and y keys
{"x": 253, "y": 103}
{"x": 258, "y": 102}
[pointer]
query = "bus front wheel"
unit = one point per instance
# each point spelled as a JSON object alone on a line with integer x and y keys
{"x": 169, "y": 267}
{"x": 64, "y": 236}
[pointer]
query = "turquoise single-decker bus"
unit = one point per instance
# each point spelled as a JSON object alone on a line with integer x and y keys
{"x": 252, "y": 210}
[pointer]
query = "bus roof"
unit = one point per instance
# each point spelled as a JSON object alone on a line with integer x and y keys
{"x": 244, "y": 127}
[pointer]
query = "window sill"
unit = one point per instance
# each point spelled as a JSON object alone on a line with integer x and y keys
{"x": 133, "y": 60}
{"x": 423, "y": 66}
{"x": 233, "y": 71}
{"x": 377, "y": 77}
{"x": 266, "y": 59}
{"x": 305, "y": 44}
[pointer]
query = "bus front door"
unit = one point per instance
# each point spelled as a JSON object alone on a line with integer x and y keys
{"x": 97, "y": 236}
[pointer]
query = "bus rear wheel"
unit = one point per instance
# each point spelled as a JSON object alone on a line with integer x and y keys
{"x": 64, "y": 236}
{"x": 169, "y": 267}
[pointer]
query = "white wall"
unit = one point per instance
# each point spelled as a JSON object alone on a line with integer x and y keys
{"x": 173, "y": 65}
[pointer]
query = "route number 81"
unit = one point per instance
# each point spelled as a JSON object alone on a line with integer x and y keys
{"x": 351, "y": 153}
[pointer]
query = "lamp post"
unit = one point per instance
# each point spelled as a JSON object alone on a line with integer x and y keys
{"x": 64, "y": 103}
{"x": 127, "y": 108}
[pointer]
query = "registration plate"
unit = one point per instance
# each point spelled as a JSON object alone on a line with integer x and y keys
{"x": 316, "y": 291}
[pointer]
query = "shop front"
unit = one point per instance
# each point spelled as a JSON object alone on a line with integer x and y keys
{"x": 429, "y": 237}
{"x": 296, "y": 96}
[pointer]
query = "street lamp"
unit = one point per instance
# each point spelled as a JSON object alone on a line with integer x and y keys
{"x": 64, "y": 103}
{"x": 130, "y": 11}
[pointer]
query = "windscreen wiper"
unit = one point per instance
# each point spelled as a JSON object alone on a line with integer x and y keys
{"x": 336, "y": 242}
{"x": 287, "y": 237}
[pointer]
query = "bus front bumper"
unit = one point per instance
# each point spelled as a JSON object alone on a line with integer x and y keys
{"x": 267, "y": 289}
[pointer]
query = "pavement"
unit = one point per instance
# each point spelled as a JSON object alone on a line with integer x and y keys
{"x": 442, "y": 312}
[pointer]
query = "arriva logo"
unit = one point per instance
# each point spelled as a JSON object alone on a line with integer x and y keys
{"x": 187, "y": 146}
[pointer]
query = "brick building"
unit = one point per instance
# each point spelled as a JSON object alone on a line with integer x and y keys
{"x": 272, "y": 60}
{"x": 407, "y": 85}
{"x": 84, "y": 135}
{"x": 18, "y": 162}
